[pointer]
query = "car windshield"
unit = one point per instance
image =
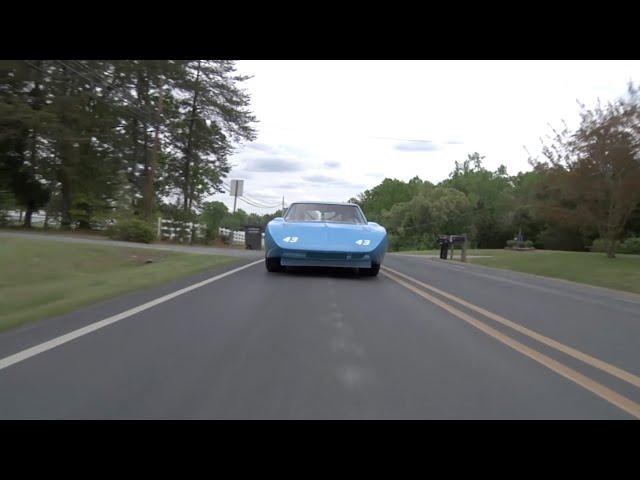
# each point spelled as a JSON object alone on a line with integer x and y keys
{"x": 318, "y": 212}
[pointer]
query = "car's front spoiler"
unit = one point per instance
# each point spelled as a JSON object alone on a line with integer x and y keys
{"x": 333, "y": 263}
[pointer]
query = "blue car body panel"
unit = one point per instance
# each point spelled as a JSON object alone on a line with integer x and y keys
{"x": 325, "y": 244}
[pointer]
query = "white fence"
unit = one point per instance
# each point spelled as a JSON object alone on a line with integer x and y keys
{"x": 236, "y": 237}
{"x": 188, "y": 232}
{"x": 184, "y": 232}
{"x": 37, "y": 218}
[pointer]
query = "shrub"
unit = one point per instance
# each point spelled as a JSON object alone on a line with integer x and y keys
{"x": 519, "y": 244}
{"x": 631, "y": 245}
{"x": 597, "y": 245}
{"x": 132, "y": 230}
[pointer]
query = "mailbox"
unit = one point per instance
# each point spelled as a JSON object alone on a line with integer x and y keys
{"x": 253, "y": 237}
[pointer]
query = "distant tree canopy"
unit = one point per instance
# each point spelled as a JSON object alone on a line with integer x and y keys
{"x": 389, "y": 193}
{"x": 434, "y": 210}
{"x": 588, "y": 188}
{"x": 101, "y": 136}
{"x": 593, "y": 174}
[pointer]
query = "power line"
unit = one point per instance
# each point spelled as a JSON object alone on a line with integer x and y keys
{"x": 249, "y": 200}
{"x": 135, "y": 111}
{"x": 262, "y": 204}
{"x": 35, "y": 67}
{"x": 142, "y": 114}
{"x": 68, "y": 67}
{"x": 256, "y": 206}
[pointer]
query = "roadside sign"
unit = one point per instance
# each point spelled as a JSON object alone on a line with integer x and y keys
{"x": 237, "y": 187}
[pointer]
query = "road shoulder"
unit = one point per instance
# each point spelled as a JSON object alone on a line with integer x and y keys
{"x": 36, "y": 332}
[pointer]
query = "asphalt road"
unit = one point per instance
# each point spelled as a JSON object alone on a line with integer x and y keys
{"x": 325, "y": 345}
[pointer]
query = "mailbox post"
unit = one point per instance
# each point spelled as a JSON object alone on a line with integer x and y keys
{"x": 253, "y": 237}
{"x": 449, "y": 242}
{"x": 463, "y": 255}
{"x": 444, "y": 246}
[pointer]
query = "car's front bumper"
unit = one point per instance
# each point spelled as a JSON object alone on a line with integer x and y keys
{"x": 325, "y": 259}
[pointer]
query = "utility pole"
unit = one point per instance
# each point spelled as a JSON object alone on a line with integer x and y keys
{"x": 237, "y": 188}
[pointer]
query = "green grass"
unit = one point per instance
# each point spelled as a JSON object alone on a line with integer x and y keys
{"x": 40, "y": 278}
{"x": 456, "y": 253}
{"x": 620, "y": 273}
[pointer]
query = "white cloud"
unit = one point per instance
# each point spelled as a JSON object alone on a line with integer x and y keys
{"x": 352, "y": 120}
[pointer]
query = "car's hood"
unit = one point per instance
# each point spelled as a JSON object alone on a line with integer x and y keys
{"x": 326, "y": 236}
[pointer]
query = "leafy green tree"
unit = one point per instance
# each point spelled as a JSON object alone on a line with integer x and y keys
{"x": 77, "y": 139}
{"x": 113, "y": 135}
{"x": 211, "y": 113}
{"x": 389, "y": 193}
{"x": 593, "y": 174}
{"x": 524, "y": 218}
{"x": 20, "y": 159}
{"x": 135, "y": 86}
{"x": 417, "y": 223}
{"x": 235, "y": 221}
{"x": 212, "y": 215}
{"x": 491, "y": 197}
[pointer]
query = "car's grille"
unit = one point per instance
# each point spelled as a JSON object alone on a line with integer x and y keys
{"x": 326, "y": 256}
{"x": 334, "y": 256}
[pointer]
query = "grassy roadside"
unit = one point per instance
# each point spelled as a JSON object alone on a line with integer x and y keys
{"x": 621, "y": 273}
{"x": 101, "y": 235}
{"x": 40, "y": 278}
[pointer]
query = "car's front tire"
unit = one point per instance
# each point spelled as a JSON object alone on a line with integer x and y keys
{"x": 370, "y": 272}
{"x": 273, "y": 264}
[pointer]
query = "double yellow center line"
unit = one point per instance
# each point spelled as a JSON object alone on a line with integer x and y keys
{"x": 606, "y": 393}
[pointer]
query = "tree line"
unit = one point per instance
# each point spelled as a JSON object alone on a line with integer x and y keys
{"x": 93, "y": 140}
{"x": 90, "y": 139}
{"x": 583, "y": 193}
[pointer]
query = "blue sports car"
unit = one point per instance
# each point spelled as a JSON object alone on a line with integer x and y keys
{"x": 324, "y": 235}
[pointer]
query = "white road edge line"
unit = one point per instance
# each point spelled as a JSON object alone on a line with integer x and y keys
{"x": 56, "y": 342}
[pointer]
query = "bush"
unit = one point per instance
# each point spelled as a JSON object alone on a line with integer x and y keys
{"x": 132, "y": 230}
{"x": 519, "y": 244}
{"x": 227, "y": 238}
{"x": 598, "y": 246}
{"x": 631, "y": 245}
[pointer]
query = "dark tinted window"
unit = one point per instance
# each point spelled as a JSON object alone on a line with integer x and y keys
{"x": 318, "y": 212}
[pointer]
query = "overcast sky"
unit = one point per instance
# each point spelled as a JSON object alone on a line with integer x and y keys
{"x": 329, "y": 130}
